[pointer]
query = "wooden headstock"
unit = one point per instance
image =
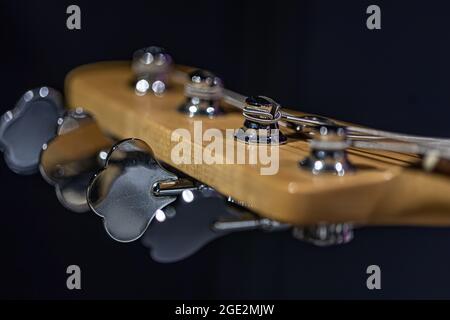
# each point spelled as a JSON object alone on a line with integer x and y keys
{"x": 386, "y": 188}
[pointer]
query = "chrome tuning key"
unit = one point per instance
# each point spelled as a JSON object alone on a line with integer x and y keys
{"x": 152, "y": 67}
{"x": 203, "y": 91}
{"x": 261, "y": 122}
{"x": 66, "y": 147}
{"x": 24, "y": 129}
{"x": 184, "y": 227}
{"x": 130, "y": 189}
{"x": 138, "y": 198}
{"x": 69, "y": 160}
{"x": 187, "y": 225}
{"x": 328, "y": 151}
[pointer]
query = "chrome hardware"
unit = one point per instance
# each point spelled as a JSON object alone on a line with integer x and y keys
{"x": 152, "y": 67}
{"x": 261, "y": 122}
{"x": 175, "y": 187}
{"x": 184, "y": 227}
{"x": 188, "y": 224}
{"x": 28, "y": 126}
{"x": 325, "y": 234}
{"x": 69, "y": 160}
{"x": 133, "y": 188}
{"x": 203, "y": 92}
{"x": 249, "y": 222}
{"x": 402, "y": 143}
{"x": 328, "y": 151}
{"x": 122, "y": 192}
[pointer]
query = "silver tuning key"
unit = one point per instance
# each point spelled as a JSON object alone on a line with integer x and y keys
{"x": 123, "y": 193}
{"x": 70, "y": 159}
{"x": 138, "y": 198}
{"x": 66, "y": 147}
{"x": 185, "y": 226}
{"x": 24, "y": 129}
{"x": 195, "y": 219}
{"x": 152, "y": 67}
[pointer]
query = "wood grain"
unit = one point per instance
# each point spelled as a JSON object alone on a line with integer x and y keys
{"x": 385, "y": 189}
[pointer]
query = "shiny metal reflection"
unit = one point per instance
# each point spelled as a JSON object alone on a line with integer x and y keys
{"x": 122, "y": 192}
{"x": 31, "y": 123}
{"x": 69, "y": 160}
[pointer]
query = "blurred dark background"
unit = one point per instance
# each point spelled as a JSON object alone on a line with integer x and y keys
{"x": 315, "y": 56}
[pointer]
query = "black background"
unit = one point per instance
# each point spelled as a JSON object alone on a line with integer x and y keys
{"x": 316, "y": 56}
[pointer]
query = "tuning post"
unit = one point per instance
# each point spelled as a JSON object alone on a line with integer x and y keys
{"x": 261, "y": 122}
{"x": 182, "y": 186}
{"x": 328, "y": 151}
{"x": 203, "y": 92}
{"x": 325, "y": 234}
{"x": 243, "y": 219}
{"x": 152, "y": 67}
{"x": 249, "y": 222}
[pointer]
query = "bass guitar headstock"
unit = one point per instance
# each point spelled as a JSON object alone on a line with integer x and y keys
{"x": 146, "y": 139}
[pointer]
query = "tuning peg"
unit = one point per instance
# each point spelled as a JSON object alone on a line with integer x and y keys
{"x": 152, "y": 67}
{"x": 130, "y": 189}
{"x": 185, "y": 226}
{"x": 28, "y": 126}
{"x": 328, "y": 151}
{"x": 261, "y": 122}
{"x": 70, "y": 159}
{"x": 203, "y": 92}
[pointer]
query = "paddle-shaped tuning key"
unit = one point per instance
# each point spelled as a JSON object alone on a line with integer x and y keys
{"x": 195, "y": 219}
{"x": 185, "y": 226}
{"x": 152, "y": 67}
{"x": 24, "y": 129}
{"x": 130, "y": 189}
{"x": 69, "y": 160}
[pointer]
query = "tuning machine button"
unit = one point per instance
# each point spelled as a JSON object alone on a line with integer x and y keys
{"x": 325, "y": 234}
{"x": 185, "y": 226}
{"x": 28, "y": 126}
{"x": 152, "y": 67}
{"x": 70, "y": 159}
{"x": 137, "y": 197}
{"x": 203, "y": 91}
{"x": 124, "y": 192}
{"x": 261, "y": 122}
{"x": 188, "y": 224}
{"x": 328, "y": 151}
